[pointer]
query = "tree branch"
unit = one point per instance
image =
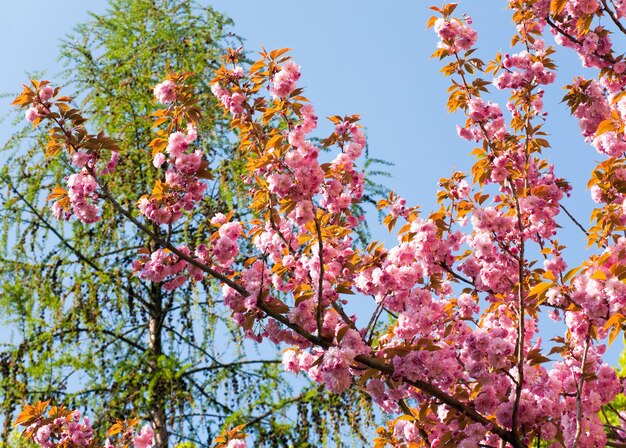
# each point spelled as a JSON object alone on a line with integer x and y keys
{"x": 320, "y": 281}
{"x": 428, "y": 388}
{"x": 230, "y": 365}
{"x": 580, "y": 226}
{"x": 613, "y": 17}
{"x": 66, "y": 243}
{"x": 579, "y": 395}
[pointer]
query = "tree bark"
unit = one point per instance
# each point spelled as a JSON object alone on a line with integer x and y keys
{"x": 157, "y": 396}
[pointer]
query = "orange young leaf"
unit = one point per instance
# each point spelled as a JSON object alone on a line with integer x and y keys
{"x": 271, "y": 143}
{"x": 115, "y": 429}
{"x": 57, "y": 193}
{"x": 31, "y": 413}
{"x": 258, "y": 65}
{"x": 159, "y": 121}
{"x": 556, "y": 6}
{"x": 616, "y": 318}
{"x": 204, "y": 172}
{"x": 539, "y": 289}
{"x": 607, "y": 125}
{"x": 599, "y": 275}
{"x": 274, "y": 54}
{"x": 431, "y": 22}
{"x": 160, "y": 188}
{"x": 615, "y": 331}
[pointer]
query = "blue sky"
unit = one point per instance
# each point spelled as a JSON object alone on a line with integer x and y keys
{"x": 369, "y": 57}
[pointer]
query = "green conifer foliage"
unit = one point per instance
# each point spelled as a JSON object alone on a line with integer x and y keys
{"x": 88, "y": 333}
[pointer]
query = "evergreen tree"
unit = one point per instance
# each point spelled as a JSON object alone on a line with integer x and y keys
{"x": 81, "y": 320}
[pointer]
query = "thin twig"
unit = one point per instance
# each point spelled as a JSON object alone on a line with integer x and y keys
{"x": 230, "y": 365}
{"x": 273, "y": 410}
{"x": 67, "y": 244}
{"x": 572, "y": 39}
{"x": 580, "y": 226}
{"x": 613, "y": 17}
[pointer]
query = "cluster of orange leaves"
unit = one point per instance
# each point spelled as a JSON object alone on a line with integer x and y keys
{"x": 37, "y": 415}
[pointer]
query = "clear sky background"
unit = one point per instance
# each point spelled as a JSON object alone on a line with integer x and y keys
{"x": 369, "y": 57}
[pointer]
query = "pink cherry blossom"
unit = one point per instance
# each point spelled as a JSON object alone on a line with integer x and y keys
{"x": 145, "y": 439}
{"x": 165, "y": 92}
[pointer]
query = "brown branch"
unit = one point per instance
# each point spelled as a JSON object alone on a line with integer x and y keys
{"x": 617, "y": 413}
{"x": 615, "y": 444}
{"x": 373, "y": 321}
{"x": 273, "y": 409}
{"x": 452, "y": 402}
{"x": 281, "y": 236}
{"x": 230, "y": 365}
{"x": 113, "y": 334}
{"x": 459, "y": 277}
{"x": 320, "y": 282}
{"x": 429, "y": 389}
{"x": 67, "y": 244}
{"x": 572, "y": 39}
{"x": 521, "y": 313}
{"x": 367, "y": 361}
{"x": 580, "y": 226}
{"x": 613, "y": 17}
{"x": 579, "y": 395}
{"x": 343, "y": 315}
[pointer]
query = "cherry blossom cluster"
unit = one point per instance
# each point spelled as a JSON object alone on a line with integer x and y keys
{"x": 592, "y": 46}
{"x": 573, "y": 27}
{"x": 83, "y": 187}
{"x": 538, "y": 209}
{"x": 450, "y": 349}
{"x": 40, "y": 108}
{"x": 455, "y": 35}
{"x": 233, "y": 102}
{"x": 454, "y": 342}
{"x": 237, "y": 443}
{"x": 63, "y": 431}
{"x": 181, "y": 189}
{"x": 144, "y": 439}
{"x": 524, "y": 68}
{"x": 484, "y": 118}
{"x": 165, "y": 92}
{"x": 224, "y": 248}
{"x": 299, "y": 176}
{"x": 600, "y": 105}
{"x": 163, "y": 266}
{"x": 345, "y": 185}
{"x": 66, "y": 429}
{"x": 87, "y": 152}
{"x": 284, "y": 82}
{"x": 82, "y": 192}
